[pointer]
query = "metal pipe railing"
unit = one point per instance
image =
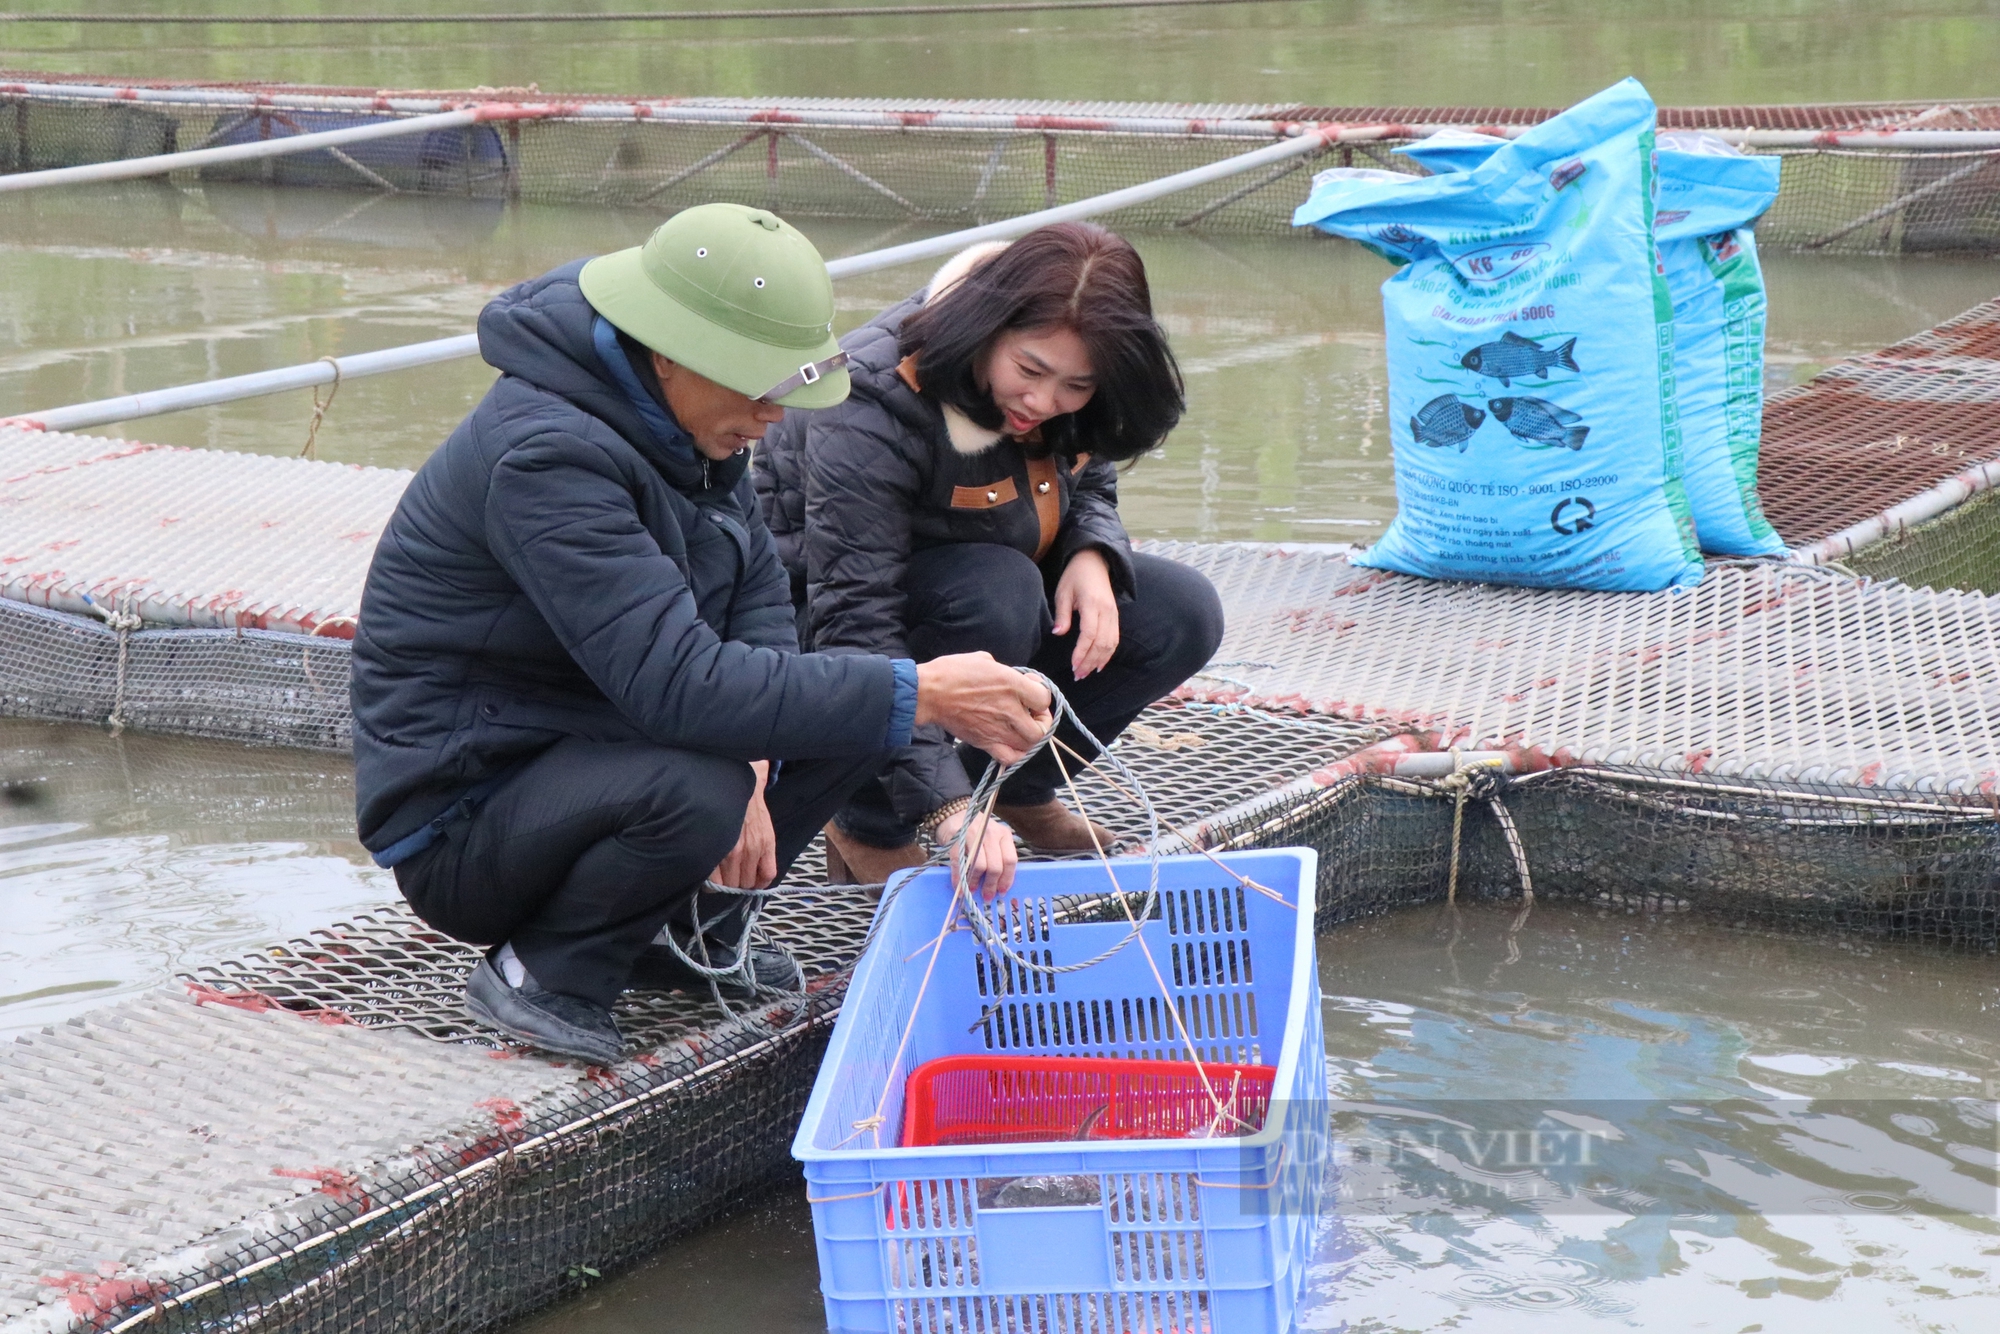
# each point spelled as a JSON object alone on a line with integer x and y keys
{"x": 1898, "y": 519}
{"x": 748, "y": 113}
{"x": 207, "y": 393}
{"x": 160, "y": 164}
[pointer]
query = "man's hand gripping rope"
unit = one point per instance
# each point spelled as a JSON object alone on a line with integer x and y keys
{"x": 971, "y": 907}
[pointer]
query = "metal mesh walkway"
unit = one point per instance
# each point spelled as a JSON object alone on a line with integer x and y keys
{"x": 1764, "y": 670}
{"x": 190, "y": 536}
{"x": 1879, "y": 427}
{"x": 288, "y": 1096}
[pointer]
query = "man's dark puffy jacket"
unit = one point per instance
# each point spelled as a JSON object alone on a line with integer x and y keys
{"x": 851, "y": 491}
{"x": 567, "y": 565}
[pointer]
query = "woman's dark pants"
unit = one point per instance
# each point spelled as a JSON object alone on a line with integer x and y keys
{"x": 976, "y": 595}
{"x": 581, "y": 857}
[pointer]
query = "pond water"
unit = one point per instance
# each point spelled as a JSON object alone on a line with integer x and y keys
{"x": 1753, "y": 1133}
{"x": 1321, "y": 52}
{"x": 123, "y": 860}
{"x": 124, "y": 288}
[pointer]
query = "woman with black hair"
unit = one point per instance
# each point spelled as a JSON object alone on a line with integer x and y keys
{"x": 965, "y": 498}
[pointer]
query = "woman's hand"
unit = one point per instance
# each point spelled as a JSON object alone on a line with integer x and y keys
{"x": 1084, "y": 592}
{"x": 986, "y": 859}
{"x": 753, "y": 862}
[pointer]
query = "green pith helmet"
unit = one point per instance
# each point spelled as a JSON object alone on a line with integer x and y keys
{"x": 735, "y": 294}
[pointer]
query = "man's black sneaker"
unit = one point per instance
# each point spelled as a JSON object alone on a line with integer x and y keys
{"x": 659, "y": 968}
{"x": 567, "y": 1025}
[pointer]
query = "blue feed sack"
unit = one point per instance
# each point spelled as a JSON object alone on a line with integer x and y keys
{"x": 1530, "y": 350}
{"x": 1709, "y": 195}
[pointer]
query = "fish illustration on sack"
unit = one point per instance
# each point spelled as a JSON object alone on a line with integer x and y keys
{"x": 1527, "y": 285}
{"x": 1446, "y": 420}
{"x": 1538, "y": 423}
{"x": 1512, "y": 357}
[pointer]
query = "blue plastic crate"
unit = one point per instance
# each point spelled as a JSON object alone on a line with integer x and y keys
{"x": 1165, "y": 1236}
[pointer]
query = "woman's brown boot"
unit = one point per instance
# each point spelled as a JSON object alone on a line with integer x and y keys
{"x": 1054, "y": 827}
{"x": 849, "y": 861}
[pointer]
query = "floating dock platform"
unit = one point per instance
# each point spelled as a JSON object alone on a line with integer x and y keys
{"x": 317, "y": 1137}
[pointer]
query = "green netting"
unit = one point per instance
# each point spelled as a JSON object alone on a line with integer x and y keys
{"x": 1958, "y": 549}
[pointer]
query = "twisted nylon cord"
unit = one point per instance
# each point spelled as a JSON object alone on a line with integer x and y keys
{"x": 987, "y": 790}
{"x": 743, "y": 969}
{"x": 965, "y": 903}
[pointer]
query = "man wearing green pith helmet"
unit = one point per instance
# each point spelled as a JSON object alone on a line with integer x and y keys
{"x": 582, "y": 726}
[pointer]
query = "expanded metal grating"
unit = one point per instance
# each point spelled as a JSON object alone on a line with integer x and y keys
{"x": 387, "y": 969}
{"x": 1877, "y": 428}
{"x": 1764, "y": 670}
{"x": 189, "y": 536}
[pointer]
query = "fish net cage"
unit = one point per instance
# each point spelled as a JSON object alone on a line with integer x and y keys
{"x": 472, "y": 1234}
{"x": 1796, "y": 858}
{"x": 960, "y": 163}
{"x": 1958, "y": 549}
{"x": 256, "y": 686}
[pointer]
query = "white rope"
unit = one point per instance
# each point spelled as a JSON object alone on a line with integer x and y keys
{"x": 965, "y": 905}
{"x": 1223, "y": 1111}
{"x": 743, "y": 970}
{"x": 984, "y": 792}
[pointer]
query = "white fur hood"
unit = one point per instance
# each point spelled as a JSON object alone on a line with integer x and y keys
{"x": 967, "y": 436}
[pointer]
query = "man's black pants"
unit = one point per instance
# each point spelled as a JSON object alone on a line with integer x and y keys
{"x": 583, "y": 855}
{"x": 974, "y": 596}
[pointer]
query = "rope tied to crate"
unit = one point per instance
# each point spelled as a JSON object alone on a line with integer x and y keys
{"x": 122, "y": 621}
{"x": 966, "y": 905}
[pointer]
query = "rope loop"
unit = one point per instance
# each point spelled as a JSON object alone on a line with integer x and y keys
{"x": 319, "y": 410}
{"x": 1483, "y": 780}
{"x": 743, "y": 970}
{"x": 122, "y": 621}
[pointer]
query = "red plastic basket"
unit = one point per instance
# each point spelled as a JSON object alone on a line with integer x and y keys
{"x": 1029, "y": 1099}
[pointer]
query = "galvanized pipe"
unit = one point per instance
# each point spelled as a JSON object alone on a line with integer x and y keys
{"x": 1894, "y": 521}
{"x": 132, "y": 168}
{"x": 746, "y": 112}
{"x": 82, "y": 416}
{"x": 207, "y": 393}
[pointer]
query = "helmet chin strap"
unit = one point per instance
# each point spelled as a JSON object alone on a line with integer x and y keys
{"x": 810, "y": 373}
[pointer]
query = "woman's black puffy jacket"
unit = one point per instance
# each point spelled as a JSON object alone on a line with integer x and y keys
{"x": 850, "y": 492}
